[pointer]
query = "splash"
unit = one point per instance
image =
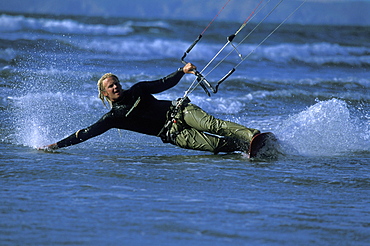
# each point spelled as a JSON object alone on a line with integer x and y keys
{"x": 324, "y": 129}
{"x": 41, "y": 119}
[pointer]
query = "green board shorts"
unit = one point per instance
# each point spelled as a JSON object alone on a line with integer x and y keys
{"x": 195, "y": 129}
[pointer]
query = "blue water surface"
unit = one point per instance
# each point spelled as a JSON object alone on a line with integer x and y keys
{"x": 309, "y": 85}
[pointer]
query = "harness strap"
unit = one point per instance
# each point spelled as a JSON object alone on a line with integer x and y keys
{"x": 134, "y": 106}
{"x": 168, "y": 133}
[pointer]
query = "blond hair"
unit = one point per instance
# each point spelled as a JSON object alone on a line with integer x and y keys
{"x": 101, "y": 88}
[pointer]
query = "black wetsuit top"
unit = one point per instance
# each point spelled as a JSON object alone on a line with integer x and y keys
{"x": 137, "y": 110}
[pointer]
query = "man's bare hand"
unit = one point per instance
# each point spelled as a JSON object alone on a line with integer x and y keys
{"x": 189, "y": 68}
{"x": 49, "y": 147}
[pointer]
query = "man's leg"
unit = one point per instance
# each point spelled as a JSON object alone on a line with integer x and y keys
{"x": 193, "y": 139}
{"x": 195, "y": 117}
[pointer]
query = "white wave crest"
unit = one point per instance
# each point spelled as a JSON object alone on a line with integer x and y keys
{"x": 18, "y": 23}
{"x": 315, "y": 54}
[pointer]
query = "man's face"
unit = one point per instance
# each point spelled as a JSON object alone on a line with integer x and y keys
{"x": 112, "y": 89}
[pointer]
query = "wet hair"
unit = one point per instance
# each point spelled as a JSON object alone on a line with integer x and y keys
{"x": 101, "y": 88}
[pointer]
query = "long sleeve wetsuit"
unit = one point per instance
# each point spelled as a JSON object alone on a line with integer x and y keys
{"x": 137, "y": 110}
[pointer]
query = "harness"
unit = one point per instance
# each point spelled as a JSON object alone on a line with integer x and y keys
{"x": 175, "y": 123}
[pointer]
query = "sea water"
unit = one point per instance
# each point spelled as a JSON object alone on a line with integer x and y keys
{"x": 307, "y": 84}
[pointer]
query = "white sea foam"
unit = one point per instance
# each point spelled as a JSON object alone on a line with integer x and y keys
{"x": 17, "y": 23}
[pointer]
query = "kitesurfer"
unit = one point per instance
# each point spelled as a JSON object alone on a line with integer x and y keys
{"x": 185, "y": 125}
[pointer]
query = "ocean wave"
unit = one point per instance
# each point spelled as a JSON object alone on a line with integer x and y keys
{"x": 152, "y": 26}
{"x": 10, "y": 23}
{"x": 136, "y": 49}
{"x": 7, "y": 54}
{"x": 317, "y": 54}
{"x": 353, "y": 89}
{"x": 135, "y": 40}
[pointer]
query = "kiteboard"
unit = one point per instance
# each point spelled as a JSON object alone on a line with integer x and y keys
{"x": 264, "y": 146}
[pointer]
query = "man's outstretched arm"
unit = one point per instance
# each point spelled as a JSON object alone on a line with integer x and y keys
{"x": 82, "y": 135}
